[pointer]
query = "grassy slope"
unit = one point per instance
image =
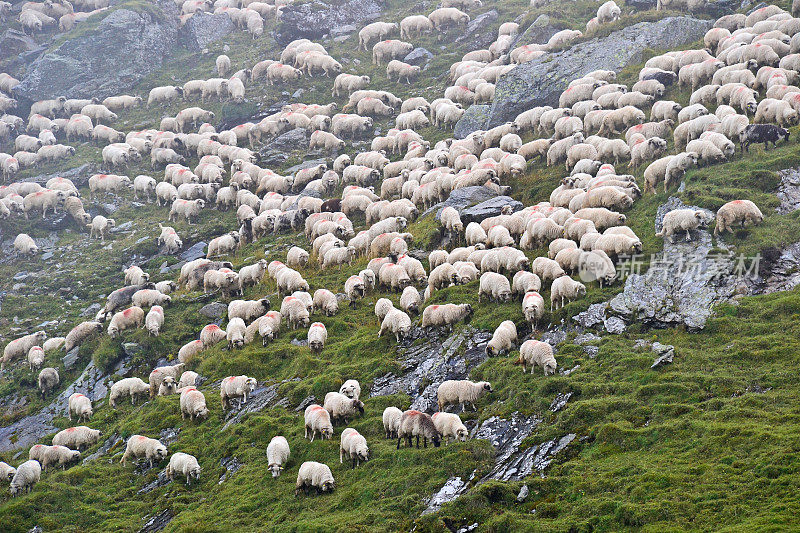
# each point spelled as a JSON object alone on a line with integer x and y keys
{"x": 682, "y": 448}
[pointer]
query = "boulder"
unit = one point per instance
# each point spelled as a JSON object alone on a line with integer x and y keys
{"x": 475, "y": 118}
{"x": 106, "y": 60}
{"x": 488, "y": 208}
{"x": 14, "y": 43}
{"x": 214, "y": 310}
{"x": 539, "y": 32}
{"x": 316, "y": 19}
{"x": 418, "y": 56}
{"x": 541, "y": 81}
{"x": 194, "y": 252}
{"x": 462, "y": 198}
{"x": 204, "y": 28}
{"x": 477, "y": 34}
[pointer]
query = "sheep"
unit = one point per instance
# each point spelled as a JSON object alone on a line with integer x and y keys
{"x": 25, "y": 245}
{"x": 390, "y": 49}
{"x": 417, "y": 424}
{"x": 277, "y": 455}
{"x": 647, "y": 150}
{"x": 289, "y": 280}
{"x": 169, "y": 386}
{"x": 7, "y": 471}
{"x": 236, "y": 387}
{"x": 139, "y": 446}
{"x": 351, "y": 389}
{"x": 295, "y": 312}
{"x": 268, "y": 326}
{"x": 235, "y": 332}
{"x": 449, "y": 425}
{"x": 503, "y": 339}
{"x": 159, "y": 373}
{"x": 317, "y": 335}
{"x": 252, "y": 274}
{"x": 188, "y": 351}
{"x": 354, "y": 445}
{"x": 317, "y": 420}
{"x": 132, "y": 387}
{"x": 741, "y": 212}
{"x": 326, "y": 302}
{"x": 547, "y": 269}
{"x": 53, "y": 344}
{"x": 163, "y": 95}
{"x": 79, "y": 405}
{"x": 494, "y": 286}
{"x": 77, "y": 438}
{"x": 681, "y": 220}
{"x": 397, "y": 69}
{"x": 354, "y": 289}
{"x": 537, "y": 353}
{"x": 133, "y": 317}
{"x": 565, "y": 289}
{"x": 410, "y": 300}
{"x": 193, "y": 404}
{"x": 79, "y": 334}
{"x": 397, "y": 322}
{"x": 26, "y": 476}
{"x": 149, "y": 297}
{"x": 185, "y": 465}
{"x": 48, "y": 380}
{"x": 524, "y": 281}
{"x": 454, "y": 392}
{"x": 314, "y": 475}
{"x": 248, "y": 310}
{"x": 391, "y": 421}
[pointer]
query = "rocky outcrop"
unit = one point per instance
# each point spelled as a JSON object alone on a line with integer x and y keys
{"x": 109, "y": 59}
{"x": 204, "y": 28}
{"x": 539, "y": 32}
{"x": 316, "y": 19}
{"x": 489, "y": 208}
{"x": 478, "y": 35}
{"x": 476, "y": 117}
{"x": 541, "y": 81}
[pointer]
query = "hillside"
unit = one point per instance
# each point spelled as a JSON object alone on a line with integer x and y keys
{"x": 611, "y": 441}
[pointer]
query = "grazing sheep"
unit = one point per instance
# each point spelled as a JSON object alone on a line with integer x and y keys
{"x": 449, "y": 425}
{"x": 326, "y": 302}
{"x": 314, "y": 475}
{"x": 193, "y": 404}
{"x": 79, "y": 334}
{"x": 317, "y": 420}
{"x": 26, "y": 476}
{"x": 454, "y": 392}
{"x": 169, "y": 386}
{"x": 35, "y": 357}
{"x": 158, "y": 374}
{"x": 7, "y": 471}
{"x": 237, "y": 387}
{"x": 133, "y": 317}
{"x": 48, "y": 380}
{"x": 132, "y": 387}
{"x": 277, "y": 455}
{"x": 438, "y": 316}
{"x": 354, "y": 289}
{"x": 503, "y": 339}
{"x": 397, "y": 322}
{"x": 100, "y": 226}
{"x": 80, "y": 406}
{"x": 185, "y": 465}
{"x": 410, "y": 300}
{"x": 391, "y": 421}
{"x": 77, "y": 438}
{"x": 354, "y": 445}
{"x": 494, "y": 286}
{"x": 235, "y": 333}
{"x": 317, "y": 335}
{"x": 139, "y": 446}
{"x": 154, "y": 320}
{"x": 682, "y": 220}
{"x": 737, "y": 212}
{"x": 417, "y": 424}
{"x": 565, "y": 289}
{"x": 25, "y": 245}
{"x": 537, "y": 353}
{"x": 340, "y": 407}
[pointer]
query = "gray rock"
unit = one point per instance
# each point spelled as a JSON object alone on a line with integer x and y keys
{"x": 109, "y": 59}
{"x": 195, "y": 251}
{"x": 489, "y": 208}
{"x": 591, "y": 351}
{"x": 70, "y": 359}
{"x": 560, "y": 401}
{"x": 122, "y": 228}
{"x": 475, "y": 118}
{"x": 295, "y": 139}
{"x": 541, "y": 81}
{"x": 261, "y": 398}
{"x": 109, "y": 209}
{"x": 157, "y": 522}
{"x": 523, "y": 493}
{"x": 469, "y": 528}
{"x": 418, "y": 56}
{"x": 232, "y": 465}
{"x": 615, "y": 325}
{"x": 664, "y": 354}
{"x": 47, "y": 255}
{"x": 477, "y": 33}
{"x": 305, "y": 403}
{"x": 593, "y": 316}
{"x": 131, "y": 348}
{"x": 539, "y": 32}
{"x": 449, "y": 491}
{"x": 161, "y": 480}
{"x": 789, "y": 190}
{"x": 343, "y": 31}
{"x": 584, "y": 338}
{"x": 92, "y": 310}
{"x": 14, "y": 43}
{"x": 315, "y": 19}
{"x": 214, "y": 310}
{"x": 683, "y": 282}
{"x": 204, "y": 28}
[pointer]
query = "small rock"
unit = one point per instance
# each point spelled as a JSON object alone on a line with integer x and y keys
{"x": 418, "y": 56}
{"x": 615, "y": 325}
{"x": 585, "y": 338}
{"x": 593, "y": 316}
{"x": 125, "y": 226}
{"x": 641, "y": 344}
{"x": 19, "y": 276}
{"x": 305, "y": 403}
{"x": 489, "y": 208}
{"x": 70, "y": 359}
{"x": 560, "y": 401}
{"x": 298, "y": 93}
{"x": 109, "y": 209}
{"x": 591, "y": 351}
{"x": 523, "y": 493}
{"x": 194, "y": 252}
{"x": 214, "y": 310}
{"x": 157, "y": 522}
{"x": 468, "y": 529}
{"x": 232, "y": 465}
{"x": 665, "y": 353}
{"x": 91, "y": 310}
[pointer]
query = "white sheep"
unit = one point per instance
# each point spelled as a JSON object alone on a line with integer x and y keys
{"x": 462, "y": 391}
{"x": 317, "y": 335}
{"x": 237, "y": 387}
{"x": 397, "y": 322}
{"x": 565, "y": 289}
{"x": 391, "y": 421}
{"x": 533, "y": 353}
{"x": 314, "y": 475}
{"x": 154, "y": 320}
{"x": 351, "y": 388}
{"x": 76, "y": 438}
{"x": 317, "y": 420}
{"x": 139, "y": 446}
{"x": 354, "y": 446}
{"x": 503, "y": 339}
{"x": 193, "y": 403}
{"x": 340, "y": 407}
{"x": 681, "y": 220}
{"x": 277, "y": 455}
{"x": 7, "y": 471}
{"x": 737, "y": 212}
{"x": 132, "y": 387}
{"x": 450, "y": 426}
{"x": 25, "y": 245}
{"x": 183, "y": 464}
{"x": 133, "y": 317}
{"x": 80, "y": 406}
{"x": 26, "y": 476}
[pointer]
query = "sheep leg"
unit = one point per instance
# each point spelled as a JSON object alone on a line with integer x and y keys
{"x": 418, "y": 442}
{"x": 398, "y": 442}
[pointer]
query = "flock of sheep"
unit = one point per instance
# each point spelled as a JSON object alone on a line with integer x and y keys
{"x": 598, "y": 125}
